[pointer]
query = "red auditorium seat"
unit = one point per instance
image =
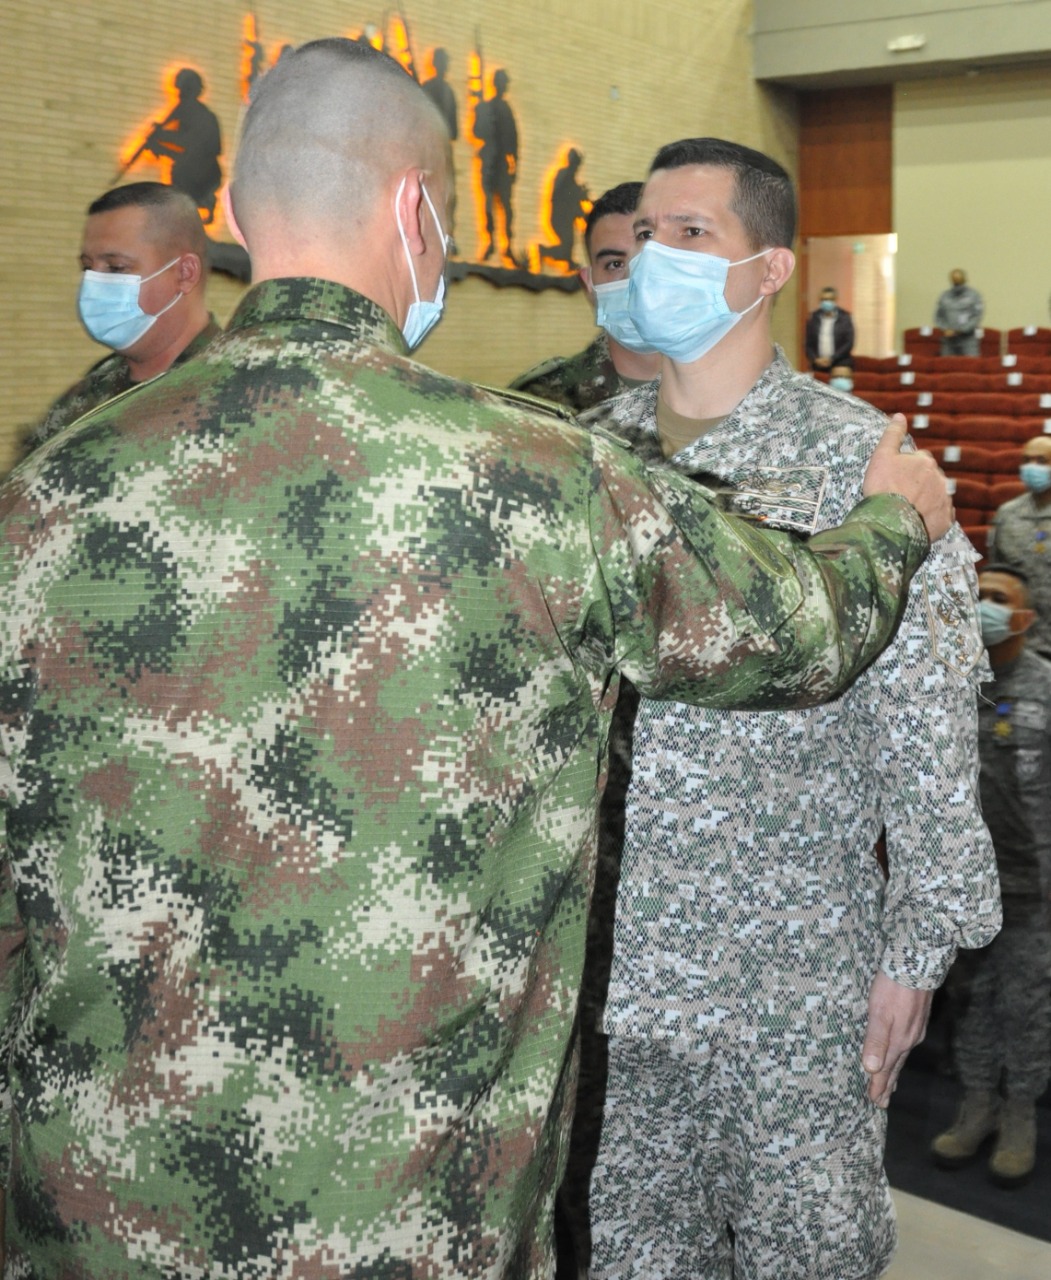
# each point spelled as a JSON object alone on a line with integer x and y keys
{"x": 925, "y": 341}
{"x": 937, "y": 424}
{"x": 971, "y": 498}
{"x": 1001, "y": 491}
{"x": 1027, "y": 364}
{"x": 870, "y": 380}
{"x": 1003, "y": 462}
{"x": 989, "y": 343}
{"x": 1028, "y": 382}
{"x": 1031, "y": 337}
{"x": 901, "y": 400}
{"x": 964, "y": 461}
{"x": 875, "y": 364}
{"x": 991, "y": 431}
{"x": 994, "y": 404}
{"x": 978, "y": 535}
{"x": 956, "y": 382}
{"x": 1025, "y": 404}
{"x": 918, "y": 363}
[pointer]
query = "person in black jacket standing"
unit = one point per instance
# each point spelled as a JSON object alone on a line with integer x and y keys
{"x": 829, "y": 334}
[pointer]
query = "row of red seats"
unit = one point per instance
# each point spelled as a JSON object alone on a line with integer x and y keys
{"x": 921, "y": 379}
{"x": 1034, "y": 406}
{"x": 991, "y": 342}
{"x": 959, "y": 364}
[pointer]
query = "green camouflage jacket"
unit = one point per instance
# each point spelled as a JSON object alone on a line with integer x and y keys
{"x": 579, "y": 382}
{"x": 109, "y": 377}
{"x": 307, "y": 659}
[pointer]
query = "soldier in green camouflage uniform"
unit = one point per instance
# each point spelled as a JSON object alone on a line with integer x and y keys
{"x": 149, "y": 230}
{"x": 108, "y": 378}
{"x": 604, "y": 368}
{"x": 307, "y": 657}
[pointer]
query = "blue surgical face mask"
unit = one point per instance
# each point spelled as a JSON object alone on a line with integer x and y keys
{"x": 109, "y": 307}
{"x": 422, "y": 316}
{"x": 611, "y": 314}
{"x": 827, "y": 304}
{"x": 995, "y": 621}
{"x": 1035, "y": 476}
{"x": 677, "y": 302}
{"x": 842, "y": 384}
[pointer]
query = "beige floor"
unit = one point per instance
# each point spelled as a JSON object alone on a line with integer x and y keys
{"x": 940, "y": 1244}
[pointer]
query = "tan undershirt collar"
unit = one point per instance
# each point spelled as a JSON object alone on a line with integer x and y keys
{"x": 677, "y": 431}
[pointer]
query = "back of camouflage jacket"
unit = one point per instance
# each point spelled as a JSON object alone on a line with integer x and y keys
{"x": 307, "y": 656}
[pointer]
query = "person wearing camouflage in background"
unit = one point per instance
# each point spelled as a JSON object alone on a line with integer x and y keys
{"x": 307, "y": 655}
{"x": 763, "y": 974}
{"x": 151, "y": 231}
{"x": 604, "y": 368}
{"x": 1021, "y": 536}
{"x": 1002, "y": 1036}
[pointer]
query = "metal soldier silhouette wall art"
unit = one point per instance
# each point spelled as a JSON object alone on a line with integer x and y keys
{"x": 190, "y": 137}
{"x": 183, "y": 146}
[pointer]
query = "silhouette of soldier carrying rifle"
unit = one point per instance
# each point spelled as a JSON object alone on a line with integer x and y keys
{"x": 191, "y": 139}
{"x": 569, "y": 201}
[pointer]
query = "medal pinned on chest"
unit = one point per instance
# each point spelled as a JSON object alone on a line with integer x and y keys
{"x": 1002, "y": 729}
{"x": 1040, "y": 539}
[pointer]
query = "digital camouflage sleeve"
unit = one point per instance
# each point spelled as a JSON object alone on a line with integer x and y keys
{"x": 579, "y": 382}
{"x": 307, "y": 658}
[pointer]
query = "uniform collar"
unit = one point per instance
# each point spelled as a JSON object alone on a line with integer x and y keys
{"x": 295, "y": 298}
{"x": 768, "y": 390}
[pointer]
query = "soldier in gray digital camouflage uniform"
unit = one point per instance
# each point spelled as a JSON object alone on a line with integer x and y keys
{"x": 767, "y": 984}
{"x": 152, "y": 233}
{"x": 1021, "y": 536}
{"x": 307, "y": 655}
{"x": 1002, "y": 1039}
{"x": 604, "y": 368}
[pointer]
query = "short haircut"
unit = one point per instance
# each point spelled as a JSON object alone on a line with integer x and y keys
{"x": 623, "y": 198}
{"x": 1008, "y": 569}
{"x": 174, "y": 219}
{"x": 829, "y": 288}
{"x": 325, "y": 127}
{"x": 764, "y": 198}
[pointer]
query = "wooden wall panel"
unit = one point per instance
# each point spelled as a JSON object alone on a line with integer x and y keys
{"x": 845, "y": 170}
{"x": 845, "y": 161}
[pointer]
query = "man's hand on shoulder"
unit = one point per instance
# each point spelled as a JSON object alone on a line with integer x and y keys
{"x": 916, "y": 476}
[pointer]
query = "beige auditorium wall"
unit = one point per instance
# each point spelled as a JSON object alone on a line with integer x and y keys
{"x": 972, "y": 188}
{"x": 615, "y": 80}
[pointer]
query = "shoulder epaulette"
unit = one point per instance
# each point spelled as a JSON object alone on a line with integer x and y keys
{"x": 542, "y": 370}
{"x": 523, "y": 400}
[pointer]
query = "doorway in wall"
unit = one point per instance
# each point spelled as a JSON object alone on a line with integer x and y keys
{"x": 862, "y": 271}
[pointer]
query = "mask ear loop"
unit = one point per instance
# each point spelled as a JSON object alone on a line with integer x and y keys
{"x": 761, "y": 254}
{"x": 404, "y": 240}
{"x": 740, "y": 263}
{"x": 160, "y": 270}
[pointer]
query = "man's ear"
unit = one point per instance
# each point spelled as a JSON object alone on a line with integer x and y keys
{"x": 1022, "y": 620}
{"x": 780, "y": 263}
{"x": 585, "y": 280}
{"x": 189, "y": 272}
{"x": 410, "y": 209}
{"x": 231, "y": 221}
